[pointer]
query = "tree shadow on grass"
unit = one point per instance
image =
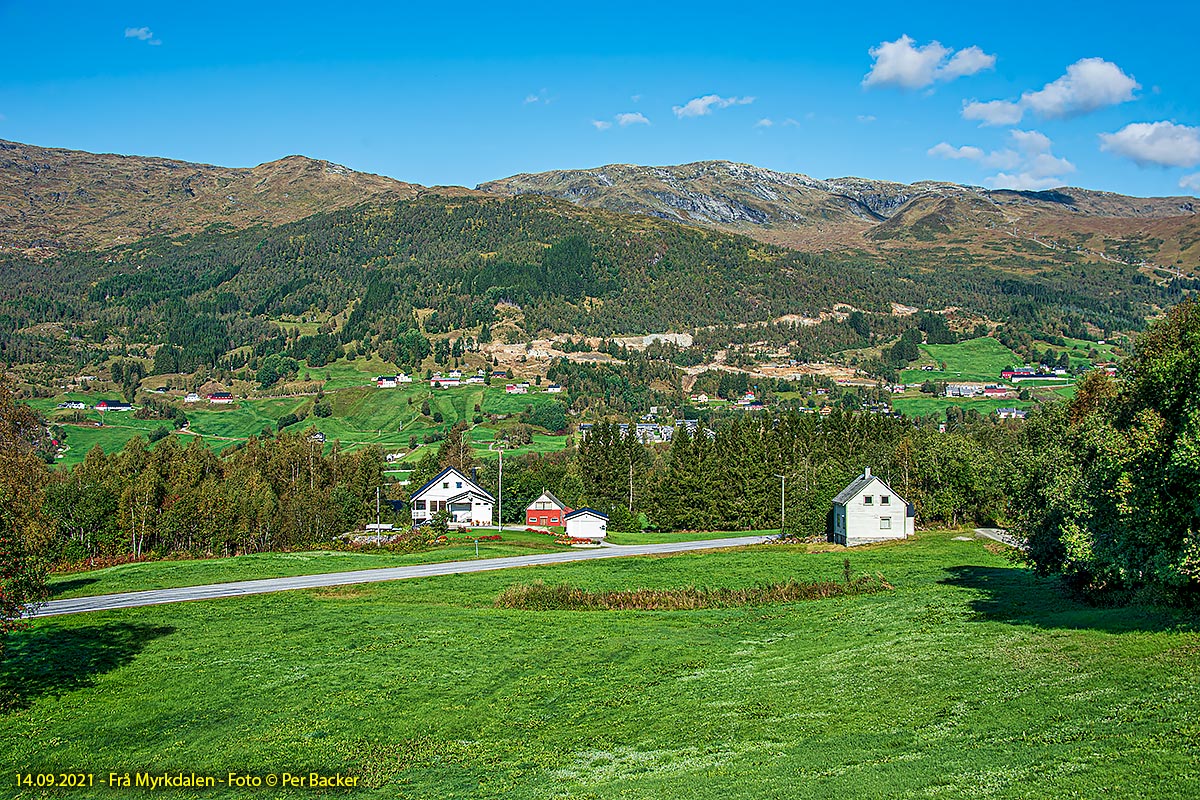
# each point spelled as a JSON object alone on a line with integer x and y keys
{"x": 55, "y": 660}
{"x": 1017, "y": 596}
{"x": 59, "y": 589}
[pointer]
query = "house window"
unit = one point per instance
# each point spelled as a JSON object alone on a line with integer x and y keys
{"x": 446, "y": 484}
{"x": 868, "y": 500}
{"x": 458, "y": 484}
{"x": 884, "y": 499}
{"x": 885, "y": 523}
{"x": 419, "y": 505}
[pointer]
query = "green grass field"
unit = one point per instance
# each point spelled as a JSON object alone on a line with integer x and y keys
{"x": 972, "y": 679}
{"x": 924, "y": 405}
{"x": 975, "y": 360}
{"x": 170, "y": 574}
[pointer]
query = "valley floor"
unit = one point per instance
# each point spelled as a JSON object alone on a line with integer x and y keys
{"x": 972, "y": 679}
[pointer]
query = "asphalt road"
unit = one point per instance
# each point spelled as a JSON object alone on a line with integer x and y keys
{"x": 213, "y": 591}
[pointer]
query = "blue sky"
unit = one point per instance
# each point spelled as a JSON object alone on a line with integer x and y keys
{"x": 1107, "y": 98}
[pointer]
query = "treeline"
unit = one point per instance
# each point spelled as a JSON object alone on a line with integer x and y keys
{"x": 272, "y": 493}
{"x": 1109, "y": 482}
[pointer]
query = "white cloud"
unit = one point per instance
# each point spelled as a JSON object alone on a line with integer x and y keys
{"x": 902, "y": 64}
{"x": 637, "y": 98}
{"x": 947, "y": 150}
{"x": 1087, "y": 85}
{"x": 1022, "y": 182}
{"x": 701, "y": 106}
{"x": 601, "y": 125}
{"x": 631, "y": 118}
{"x": 1190, "y": 182}
{"x": 1155, "y": 143}
{"x": 765, "y": 122}
{"x": 967, "y": 61}
{"x": 1028, "y": 165}
{"x": 142, "y": 34}
{"x": 993, "y": 112}
{"x": 542, "y": 97}
{"x": 865, "y": 118}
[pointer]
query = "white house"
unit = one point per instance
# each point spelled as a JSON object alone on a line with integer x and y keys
{"x": 586, "y": 523}
{"x": 191, "y": 397}
{"x": 453, "y": 492}
{"x": 554, "y": 388}
{"x": 386, "y": 381}
{"x": 869, "y": 511}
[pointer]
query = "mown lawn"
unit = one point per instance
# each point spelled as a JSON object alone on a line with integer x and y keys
{"x": 924, "y": 405}
{"x": 975, "y": 360}
{"x": 972, "y": 679}
{"x": 169, "y": 574}
{"x": 658, "y": 537}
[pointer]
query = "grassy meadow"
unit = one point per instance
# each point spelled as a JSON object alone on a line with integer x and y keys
{"x": 971, "y": 679}
{"x": 973, "y": 360}
{"x": 362, "y": 414}
{"x": 140, "y": 576}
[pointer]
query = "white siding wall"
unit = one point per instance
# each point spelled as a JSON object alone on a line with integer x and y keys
{"x": 865, "y": 520}
{"x": 451, "y": 486}
{"x": 587, "y": 526}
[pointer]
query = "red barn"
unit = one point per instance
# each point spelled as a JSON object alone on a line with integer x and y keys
{"x": 546, "y": 510}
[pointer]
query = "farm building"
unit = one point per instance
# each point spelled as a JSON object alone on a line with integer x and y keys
{"x": 385, "y": 382}
{"x": 112, "y": 405}
{"x": 220, "y": 398}
{"x": 546, "y": 510}
{"x": 455, "y": 493}
{"x": 868, "y": 510}
{"x": 586, "y": 523}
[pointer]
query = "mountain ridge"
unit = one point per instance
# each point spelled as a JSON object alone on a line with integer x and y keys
{"x": 797, "y": 210}
{"x": 54, "y": 198}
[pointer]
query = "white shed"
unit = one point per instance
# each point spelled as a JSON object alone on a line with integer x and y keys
{"x": 586, "y": 523}
{"x": 868, "y": 510}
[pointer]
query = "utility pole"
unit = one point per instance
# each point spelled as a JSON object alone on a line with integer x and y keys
{"x": 782, "y": 507}
{"x": 500, "y": 512}
{"x": 376, "y": 508}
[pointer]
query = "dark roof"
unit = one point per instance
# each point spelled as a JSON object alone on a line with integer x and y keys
{"x": 593, "y": 511}
{"x": 549, "y": 494}
{"x": 857, "y": 485}
{"x": 445, "y": 472}
{"x": 468, "y": 493}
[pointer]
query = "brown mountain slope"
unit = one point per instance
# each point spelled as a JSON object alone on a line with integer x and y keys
{"x": 808, "y": 213}
{"x": 51, "y": 198}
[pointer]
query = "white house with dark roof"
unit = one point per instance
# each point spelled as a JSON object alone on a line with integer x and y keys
{"x": 455, "y": 493}
{"x": 586, "y": 523}
{"x": 868, "y": 510}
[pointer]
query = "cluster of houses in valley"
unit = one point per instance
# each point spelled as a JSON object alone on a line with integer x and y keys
{"x": 651, "y": 432}
{"x": 455, "y": 378}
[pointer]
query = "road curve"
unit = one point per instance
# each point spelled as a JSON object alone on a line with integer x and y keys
{"x": 214, "y": 591}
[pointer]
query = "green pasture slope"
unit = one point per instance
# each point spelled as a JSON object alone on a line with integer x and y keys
{"x": 362, "y": 414}
{"x": 974, "y": 360}
{"x": 924, "y": 405}
{"x": 972, "y": 679}
{"x": 137, "y": 577}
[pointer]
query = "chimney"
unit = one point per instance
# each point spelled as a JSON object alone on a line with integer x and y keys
{"x": 867, "y": 472}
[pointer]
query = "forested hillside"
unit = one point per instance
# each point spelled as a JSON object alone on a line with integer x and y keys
{"x": 377, "y": 274}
